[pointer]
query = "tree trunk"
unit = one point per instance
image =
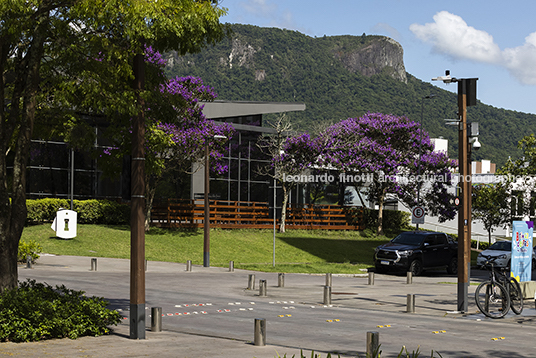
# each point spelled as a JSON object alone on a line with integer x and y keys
{"x": 16, "y": 130}
{"x": 380, "y": 213}
{"x": 283, "y": 209}
{"x": 150, "y": 192}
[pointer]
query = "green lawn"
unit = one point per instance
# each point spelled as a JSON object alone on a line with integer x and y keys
{"x": 315, "y": 251}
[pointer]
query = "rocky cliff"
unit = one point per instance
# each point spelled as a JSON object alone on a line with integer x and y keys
{"x": 382, "y": 54}
{"x": 269, "y": 51}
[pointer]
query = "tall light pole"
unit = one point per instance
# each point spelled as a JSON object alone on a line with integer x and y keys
{"x": 466, "y": 97}
{"x": 420, "y": 151}
{"x": 137, "y": 212}
{"x": 206, "y": 220}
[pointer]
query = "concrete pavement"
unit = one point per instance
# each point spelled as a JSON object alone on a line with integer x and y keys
{"x": 184, "y": 294}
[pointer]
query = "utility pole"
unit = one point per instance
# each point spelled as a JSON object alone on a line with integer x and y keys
{"x": 206, "y": 221}
{"x": 137, "y": 213}
{"x": 466, "y": 97}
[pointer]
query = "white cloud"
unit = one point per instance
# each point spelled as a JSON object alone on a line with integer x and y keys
{"x": 449, "y": 34}
{"x": 521, "y": 60}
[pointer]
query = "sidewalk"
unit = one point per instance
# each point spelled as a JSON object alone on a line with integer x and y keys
{"x": 435, "y": 295}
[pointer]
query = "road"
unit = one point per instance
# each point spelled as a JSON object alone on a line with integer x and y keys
{"x": 213, "y": 302}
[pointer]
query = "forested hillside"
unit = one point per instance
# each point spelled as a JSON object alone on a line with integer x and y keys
{"x": 340, "y": 77}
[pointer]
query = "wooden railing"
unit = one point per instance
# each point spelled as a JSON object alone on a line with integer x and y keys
{"x": 255, "y": 215}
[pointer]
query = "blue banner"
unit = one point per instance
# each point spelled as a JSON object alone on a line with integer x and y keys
{"x": 521, "y": 260}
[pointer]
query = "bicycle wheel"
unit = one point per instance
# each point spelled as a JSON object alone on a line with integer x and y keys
{"x": 516, "y": 296}
{"x": 492, "y": 299}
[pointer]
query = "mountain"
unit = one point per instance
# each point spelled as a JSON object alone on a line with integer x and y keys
{"x": 340, "y": 77}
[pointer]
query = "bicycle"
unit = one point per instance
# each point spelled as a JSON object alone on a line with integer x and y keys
{"x": 495, "y": 297}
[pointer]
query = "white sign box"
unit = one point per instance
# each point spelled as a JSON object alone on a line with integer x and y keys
{"x": 64, "y": 224}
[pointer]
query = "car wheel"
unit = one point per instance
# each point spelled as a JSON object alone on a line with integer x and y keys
{"x": 452, "y": 268}
{"x": 415, "y": 267}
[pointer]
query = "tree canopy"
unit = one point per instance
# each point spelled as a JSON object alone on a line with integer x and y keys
{"x": 397, "y": 154}
{"x": 59, "y": 58}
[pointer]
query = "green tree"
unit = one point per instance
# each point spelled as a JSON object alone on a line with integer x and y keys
{"x": 520, "y": 175}
{"x": 490, "y": 206}
{"x": 62, "y": 57}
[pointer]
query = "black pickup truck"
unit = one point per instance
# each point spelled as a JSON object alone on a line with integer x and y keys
{"x": 415, "y": 251}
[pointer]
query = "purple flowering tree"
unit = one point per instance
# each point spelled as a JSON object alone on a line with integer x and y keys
{"x": 291, "y": 154}
{"x": 387, "y": 147}
{"x": 176, "y": 130}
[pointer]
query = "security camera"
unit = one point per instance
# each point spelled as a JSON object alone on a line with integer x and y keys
{"x": 446, "y": 79}
{"x": 476, "y": 144}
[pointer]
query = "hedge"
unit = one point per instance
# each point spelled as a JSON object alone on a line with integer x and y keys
{"x": 392, "y": 219}
{"x": 89, "y": 211}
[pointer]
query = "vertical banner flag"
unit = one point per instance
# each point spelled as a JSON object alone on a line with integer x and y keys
{"x": 521, "y": 261}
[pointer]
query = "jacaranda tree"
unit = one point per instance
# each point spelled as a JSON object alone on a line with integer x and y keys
{"x": 176, "y": 132}
{"x": 394, "y": 152}
{"x": 59, "y": 58}
{"x": 290, "y": 154}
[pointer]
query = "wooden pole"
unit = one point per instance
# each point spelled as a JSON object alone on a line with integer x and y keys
{"x": 137, "y": 214}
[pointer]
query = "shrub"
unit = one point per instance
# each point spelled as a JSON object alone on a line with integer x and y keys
{"x": 31, "y": 248}
{"x": 89, "y": 211}
{"x": 393, "y": 220}
{"x": 37, "y": 311}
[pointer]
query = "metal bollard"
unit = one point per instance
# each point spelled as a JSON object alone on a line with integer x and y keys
{"x": 328, "y": 279}
{"x": 409, "y": 278}
{"x": 281, "y": 279}
{"x": 28, "y": 261}
{"x": 231, "y": 266}
{"x": 371, "y": 278}
{"x": 259, "y": 338}
{"x": 262, "y": 288}
{"x": 189, "y": 265}
{"x": 327, "y": 295}
{"x": 93, "y": 264}
{"x": 251, "y": 282}
{"x": 156, "y": 319}
{"x": 411, "y": 303}
{"x": 373, "y": 344}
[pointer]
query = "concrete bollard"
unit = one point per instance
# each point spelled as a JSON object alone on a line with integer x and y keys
{"x": 93, "y": 264}
{"x": 281, "y": 279}
{"x": 231, "y": 266}
{"x": 262, "y": 288}
{"x": 409, "y": 278}
{"x": 189, "y": 265}
{"x": 327, "y": 295}
{"x": 251, "y": 282}
{"x": 259, "y": 338}
{"x": 373, "y": 344}
{"x": 328, "y": 279}
{"x": 410, "y": 303}
{"x": 156, "y": 319}
{"x": 28, "y": 261}
{"x": 371, "y": 278}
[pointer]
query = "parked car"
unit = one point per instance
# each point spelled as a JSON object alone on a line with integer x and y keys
{"x": 502, "y": 250}
{"x": 415, "y": 251}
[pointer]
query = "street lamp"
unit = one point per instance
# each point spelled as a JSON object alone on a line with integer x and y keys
{"x": 420, "y": 150}
{"x": 206, "y": 221}
{"x": 466, "y": 97}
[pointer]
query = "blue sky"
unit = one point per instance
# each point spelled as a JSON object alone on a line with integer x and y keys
{"x": 492, "y": 40}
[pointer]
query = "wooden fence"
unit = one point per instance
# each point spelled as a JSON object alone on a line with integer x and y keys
{"x": 254, "y": 215}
